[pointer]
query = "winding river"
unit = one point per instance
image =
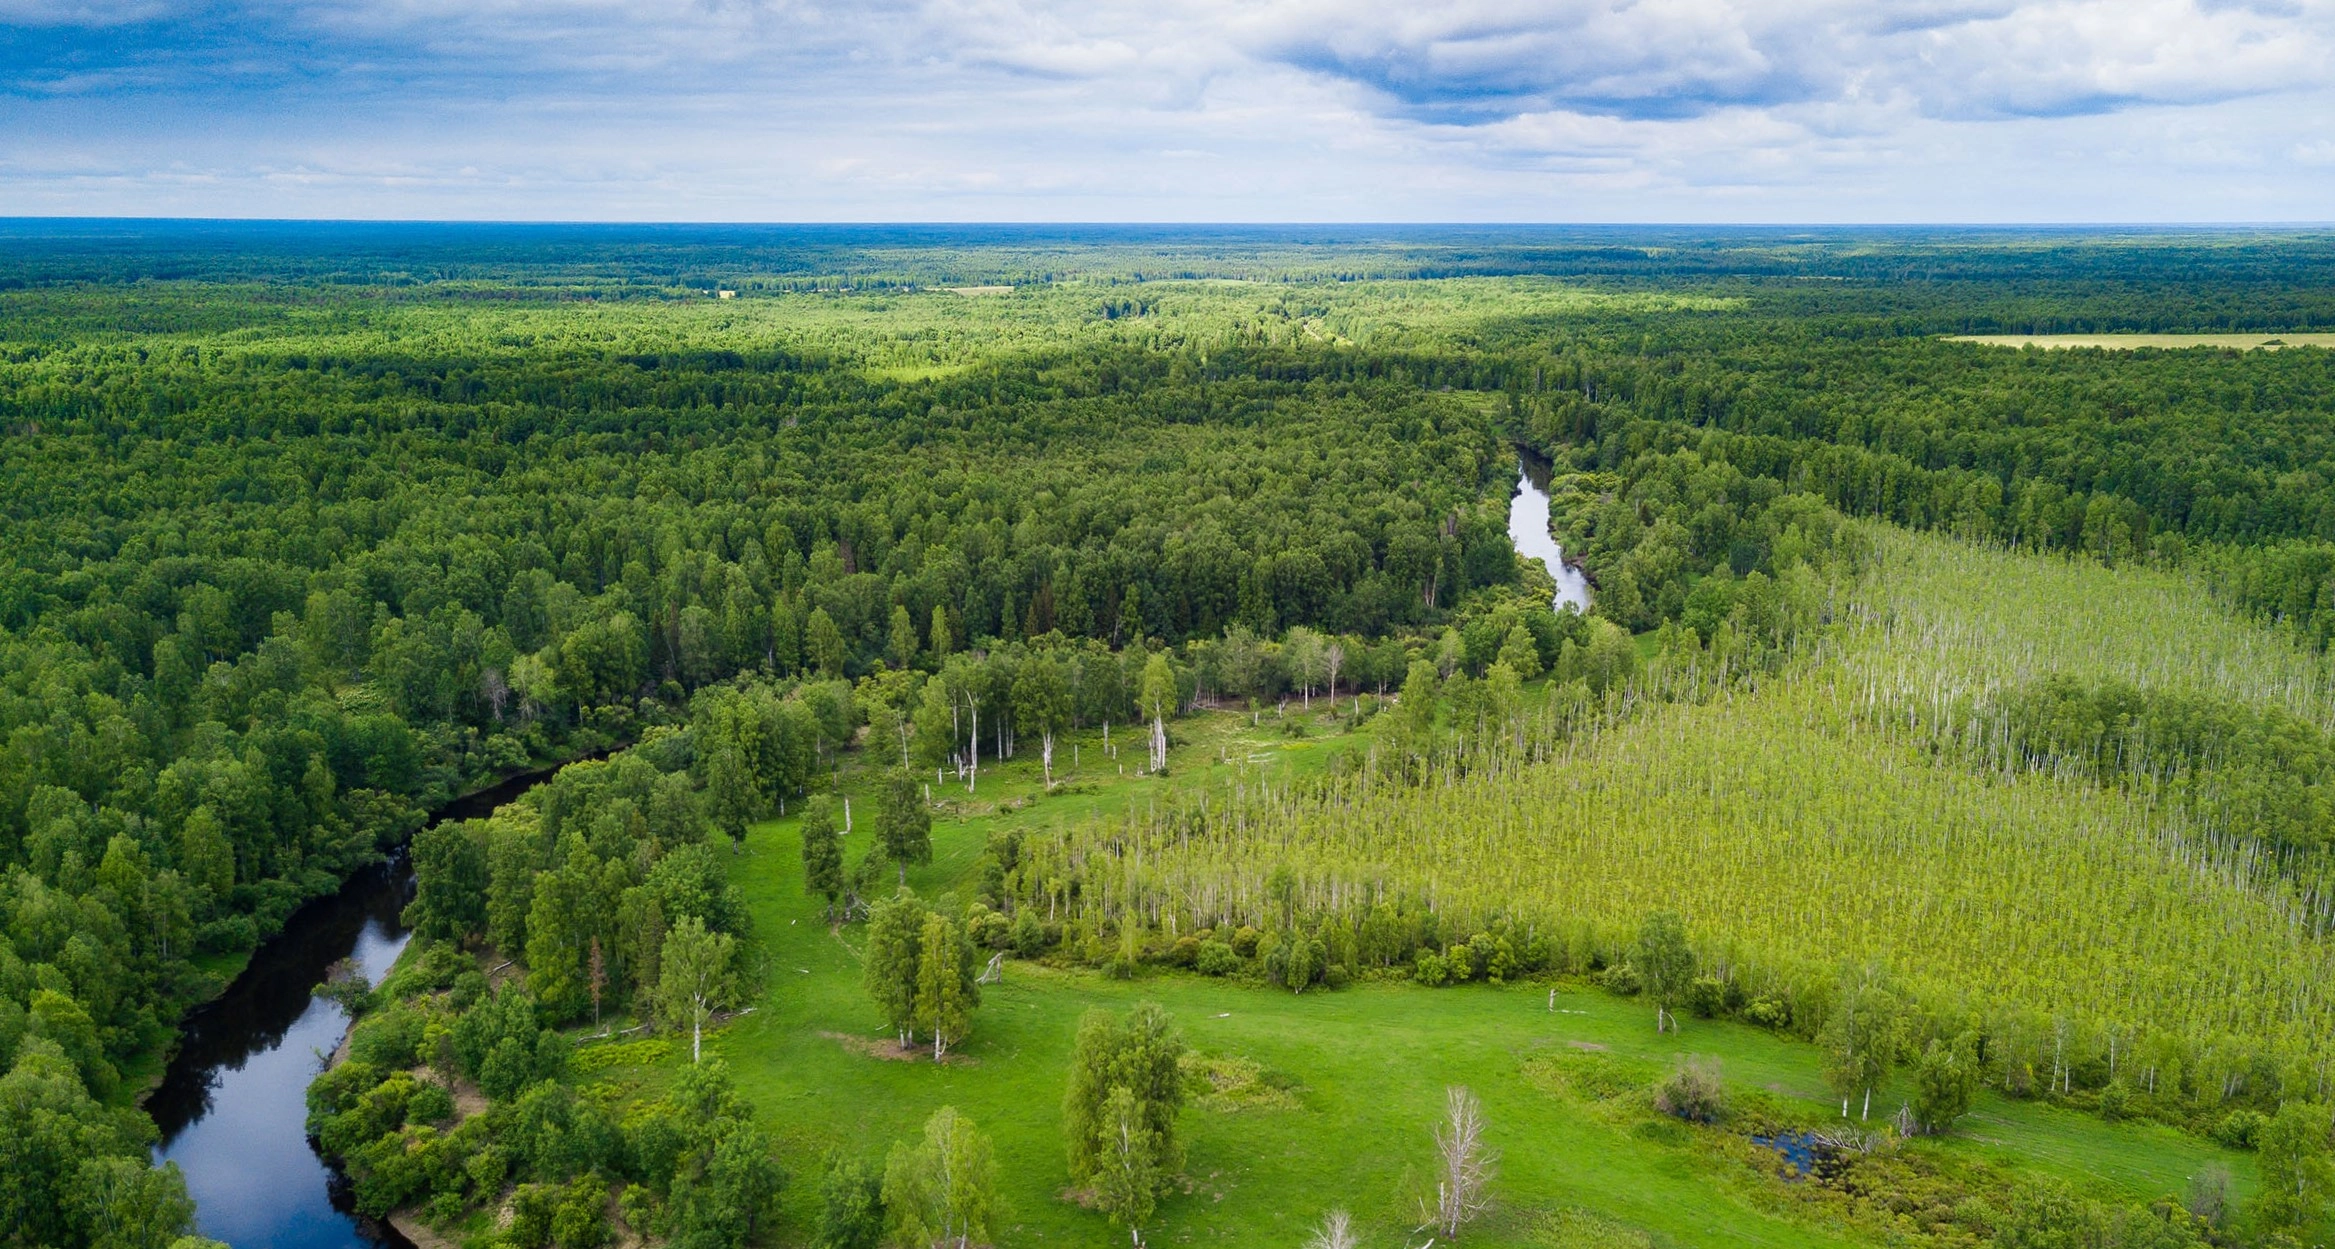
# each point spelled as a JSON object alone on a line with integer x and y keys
{"x": 1528, "y": 528}
{"x": 233, "y": 1105}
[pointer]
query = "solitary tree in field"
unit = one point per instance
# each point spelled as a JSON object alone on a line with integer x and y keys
{"x": 1665, "y": 964}
{"x": 1140, "y": 1055}
{"x": 904, "y": 824}
{"x": 942, "y": 1189}
{"x": 1336, "y": 1232}
{"x": 1465, "y": 1165}
{"x": 822, "y": 853}
{"x": 696, "y": 977}
{"x": 890, "y": 966}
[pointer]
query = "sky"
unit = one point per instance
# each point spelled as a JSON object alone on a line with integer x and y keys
{"x": 1172, "y": 110}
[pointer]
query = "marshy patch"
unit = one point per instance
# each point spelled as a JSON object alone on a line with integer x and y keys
{"x": 1229, "y": 1084}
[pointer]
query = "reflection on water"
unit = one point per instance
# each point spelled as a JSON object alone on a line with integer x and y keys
{"x": 1528, "y": 528}
{"x": 233, "y": 1106}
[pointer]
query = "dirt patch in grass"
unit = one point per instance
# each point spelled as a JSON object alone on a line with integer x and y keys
{"x": 889, "y": 1049}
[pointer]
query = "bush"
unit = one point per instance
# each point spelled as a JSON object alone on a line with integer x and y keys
{"x": 391, "y": 1038}
{"x": 1184, "y": 953}
{"x": 1029, "y": 936}
{"x": 1622, "y": 980}
{"x": 1769, "y": 1012}
{"x": 1244, "y": 941}
{"x": 2239, "y": 1129}
{"x": 2115, "y": 1101}
{"x": 1432, "y": 970}
{"x": 1215, "y": 958}
{"x": 431, "y": 1104}
{"x": 1693, "y": 1092}
{"x": 1707, "y": 997}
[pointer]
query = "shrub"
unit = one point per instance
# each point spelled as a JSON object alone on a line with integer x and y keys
{"x": 1769, "y": 1012}
{"x": 1185, "y": 951}
{"x": 431, "y": 1104}
{"x": 2115, "y": 1101}
{"x": 1215, "y": 958}
{"x": 1707, "y": 997}
{"x": 1622, "y": 980}
{"x": 1244, "y": 941}
{"x": 1432, "y": 970}
{"x": 1693, "y": 1092}
{"x": 2239, "y": 1129}
{"x": 1029, "y": 936}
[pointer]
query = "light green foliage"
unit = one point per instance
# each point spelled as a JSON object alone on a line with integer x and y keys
{"x": 942, "y": 1188}
{"x": 697, "y": 975}
{"x": 1664, "y": 961}
{"x": 1945, "y": 1083}
{"x": 893, "y": 959}
{"x": 851, "y": 1206}
{"x": 945, "y": 991}
{"x": 2298, "y": 1165}
{"x": 1127, "y": 1167}
{"x": 1142, "y": 1056}
{"x": 1861, "y": 1037}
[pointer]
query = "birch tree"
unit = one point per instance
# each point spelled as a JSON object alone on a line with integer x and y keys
{"x": 942, "y": 1190}
{"x": 1465, "y": 1165}
{"x": 1159, "y": 702}
{"x": 697, "y": 976}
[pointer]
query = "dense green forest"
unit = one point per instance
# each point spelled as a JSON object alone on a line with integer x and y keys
{"x": 311, "y": 529}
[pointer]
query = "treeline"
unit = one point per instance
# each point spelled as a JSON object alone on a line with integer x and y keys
{"x": 2213, "y": 458}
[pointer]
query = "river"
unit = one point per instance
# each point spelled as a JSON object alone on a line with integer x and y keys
{"x": 1528, "y": 528}
{"x": 233, "y": 1105}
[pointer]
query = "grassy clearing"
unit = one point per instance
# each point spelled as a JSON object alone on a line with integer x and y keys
{"x": 2127, "y": 342}
{"x": 1365, "y": 1069}
{"x": 2048, "y": 905}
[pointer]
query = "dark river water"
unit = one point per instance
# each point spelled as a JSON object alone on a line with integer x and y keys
{"x": 1528, "y": 528}
{"x": 232, "y": 1107}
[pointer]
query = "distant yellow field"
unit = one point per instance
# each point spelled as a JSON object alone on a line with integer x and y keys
{"x": 2243, "y": 342}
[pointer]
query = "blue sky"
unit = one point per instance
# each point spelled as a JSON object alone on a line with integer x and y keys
{"x": 1160, "y": 110}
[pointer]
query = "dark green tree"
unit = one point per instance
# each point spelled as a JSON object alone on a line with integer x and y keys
{"x": 822, "y": 853}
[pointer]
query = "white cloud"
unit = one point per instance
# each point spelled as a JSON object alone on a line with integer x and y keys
{"x": 1262, "y": 109}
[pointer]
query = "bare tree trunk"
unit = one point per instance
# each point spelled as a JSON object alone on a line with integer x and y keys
{"x": 1466, "y": 1162}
